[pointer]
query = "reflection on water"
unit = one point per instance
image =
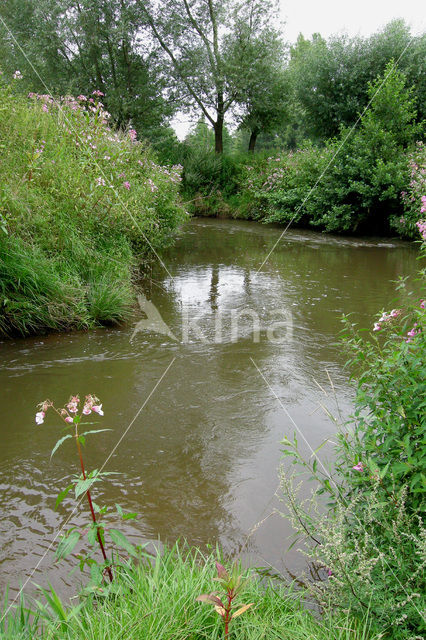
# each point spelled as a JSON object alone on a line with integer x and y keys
{"x": 200, "y": 462}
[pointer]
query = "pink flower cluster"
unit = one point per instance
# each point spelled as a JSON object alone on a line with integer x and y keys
{"x": 421, "y": 225}
{"x": 91, "y": 403}
{"x": 385, "y": 318}
{"x": 358, "y": 467}
{"x": 133, "y": 135}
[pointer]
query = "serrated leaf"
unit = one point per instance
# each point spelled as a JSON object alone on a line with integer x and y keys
{"x": 121, "y": 541}
{"x": 62, "y": 495}
{"x": 67, "y": 544}
{"x": 82, "y": 486}
{"x": 58, "y": 444}
{"x": 241, "y": 610}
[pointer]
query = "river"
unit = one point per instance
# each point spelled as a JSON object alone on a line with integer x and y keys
{"x": 240, "y": 362}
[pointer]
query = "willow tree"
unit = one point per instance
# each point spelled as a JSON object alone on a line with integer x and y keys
{"x": 198, "y": 39}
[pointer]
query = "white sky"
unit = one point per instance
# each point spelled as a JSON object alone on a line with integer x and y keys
{"x": 328, "y": 17}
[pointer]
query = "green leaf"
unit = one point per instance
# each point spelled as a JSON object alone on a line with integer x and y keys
{"x": 67, "y": 544}
{"x": 86, "y": 433}
{"x": 62, "y": 495}
{"x": 82, "y": 486}
{"x": 58, "y": 444}
{"x": 121, "y": 541}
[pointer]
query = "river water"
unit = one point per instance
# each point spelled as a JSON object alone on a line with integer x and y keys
{"x": 240, "y": 362}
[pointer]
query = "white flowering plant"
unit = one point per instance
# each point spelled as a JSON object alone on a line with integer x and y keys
{"x": 73, "y": 415}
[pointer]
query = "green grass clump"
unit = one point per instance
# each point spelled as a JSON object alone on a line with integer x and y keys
{"x": 155, "y": 598}
{"x": 81, "y": 208}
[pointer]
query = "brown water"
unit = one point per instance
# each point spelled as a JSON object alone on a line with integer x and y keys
{"x": 200, "y": 461}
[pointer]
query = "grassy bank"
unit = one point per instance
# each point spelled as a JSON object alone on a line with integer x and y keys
{"x": 82, "y": 207}
{"x": 155, "y": 598}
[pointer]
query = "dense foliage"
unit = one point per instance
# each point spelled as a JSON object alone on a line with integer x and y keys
{"x": 82, "y": 205}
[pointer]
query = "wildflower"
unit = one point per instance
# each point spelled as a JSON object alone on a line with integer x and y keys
{"x": 81, "y": 97}
{"x": 377, "y": 326}
{"x": 97, "y": 408}
{"x": 97, "y": 93}
{"x": 45, "y": 108}
{"x": 395, "y": 313}
{"x": 421, "y": 224}
{"x": 87, "y": 409}
{"x": 122, "y": 175}
{"x": 358, "y": 467}
{"x": 422, "y": 304}
{"x": 126, "y": 185}
{"x": 17, "y": 75}
{"x": 40, "y": 417}
{"x": 100, "y": 182}
{"x": 413, "y": 332}
{"x": 69, "y": 419}
{"x": 132, "y": 135}
{"x": 73, "y": 404}
{"x": 329, "y": 572}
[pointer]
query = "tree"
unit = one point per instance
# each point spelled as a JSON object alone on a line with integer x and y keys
{"x": 77, "y": 46}
{"x": 198, "y": 39}
{"x": 330, "y": 78}
{"x": 263, "y": 89}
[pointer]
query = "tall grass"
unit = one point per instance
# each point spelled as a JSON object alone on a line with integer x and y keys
{"x": 81, "y": 206}
{"x": 155, "y": 599}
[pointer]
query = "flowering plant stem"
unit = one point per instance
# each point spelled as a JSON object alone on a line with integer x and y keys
{"x": 89, "y": 500}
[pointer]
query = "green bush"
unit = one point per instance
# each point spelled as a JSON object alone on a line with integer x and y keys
{"x": 353, "y": 183}
{"x": 79, "y": 202}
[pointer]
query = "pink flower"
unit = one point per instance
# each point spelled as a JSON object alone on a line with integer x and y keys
{"x": 377, "y": 327}
{"x": 413, "y": 332}
{"x": 329, "y": 572}
{"x": 69, "y": 419}
{"x": 100, "y": 182}
{"x": 73, "y": 404}
{"x": 126, "y": 185}
{"x": 98, "y": 409}
{"x": 132, "y": 135}
{"x": 81, "y": 97}
{"x": 395, "y": 313}
{"x": 17, "y": 75}
{"x": 97, "y": 93}
{"x": 422, "y": 304}
{"x": 40, "y": 417}
{"x": 358, "y": 467}
{"x": 87, "y": 409}
{"x": 122, "y": 175}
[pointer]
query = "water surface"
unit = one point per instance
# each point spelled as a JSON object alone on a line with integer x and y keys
{"x": 200, "y": 461}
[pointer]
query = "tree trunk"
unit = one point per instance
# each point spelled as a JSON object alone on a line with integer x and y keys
{"x": 252, "y": 143}
{"x": 218, "y": 125}
{"x": 218, "y": 136}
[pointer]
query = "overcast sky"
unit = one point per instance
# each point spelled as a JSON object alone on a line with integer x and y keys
{"x": 328, "y": 17}
{"x": 359, "y": 16}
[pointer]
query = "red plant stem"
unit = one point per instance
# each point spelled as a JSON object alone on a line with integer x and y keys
{"x": 89, "y": 499}
{"x": 228, "y": 613}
